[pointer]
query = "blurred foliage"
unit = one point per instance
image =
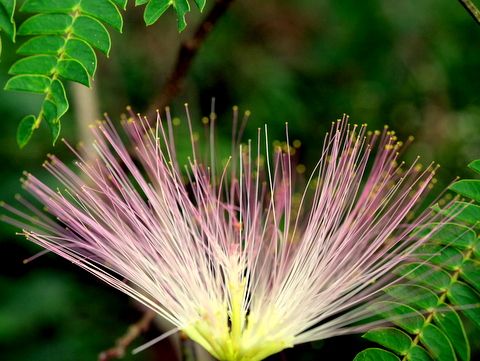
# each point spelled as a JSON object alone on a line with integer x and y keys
{"x": 413, "y": 65}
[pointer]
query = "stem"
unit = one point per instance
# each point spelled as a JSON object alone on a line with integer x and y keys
{"x": 472, "y": 9}
{"x": 132, "y": 333}
{"x": 186, "y": 54}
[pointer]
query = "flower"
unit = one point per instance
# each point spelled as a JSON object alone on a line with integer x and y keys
{"x": 238, "y": 259}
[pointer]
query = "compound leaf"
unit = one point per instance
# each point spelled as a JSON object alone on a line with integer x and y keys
{"x": 417, "y": 353}
{"x": 420, "y": 297}
{"x": 470, "y": 272}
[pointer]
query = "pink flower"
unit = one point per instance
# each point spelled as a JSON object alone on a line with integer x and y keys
{"x": 235, "y": 257}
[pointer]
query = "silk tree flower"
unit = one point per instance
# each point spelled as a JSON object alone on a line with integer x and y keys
{"x": 237, "y": 257}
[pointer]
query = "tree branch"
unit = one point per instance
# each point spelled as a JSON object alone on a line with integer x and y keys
{"x": 132, "y": 333}
{"x": 187, "y": 52}
{"x": 472, "y": 9}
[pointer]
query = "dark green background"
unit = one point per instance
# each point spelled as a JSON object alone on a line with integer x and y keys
{"x": 411, "y": 64}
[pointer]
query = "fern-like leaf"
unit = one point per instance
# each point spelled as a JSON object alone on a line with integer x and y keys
{"x": 64, "y": 35}
{"x": 444, "y": 282}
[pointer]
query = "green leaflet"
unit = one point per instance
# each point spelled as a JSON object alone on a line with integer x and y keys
{"x": 37, "y": 64}
{"x": 463, "y": 295}
{"x": 7, "y": 25}
{"x": 437, "y": 343}
{"x": 475, "y": 165}
{"x": 449, "y": 258}
{"x": 419, "y": 297}
{"x": 467, "y": 187}
{"x": 391, "y": 338}
{"x": 104, "y": 11}
{"x": 60, "y": 6}
{"x": 403, "y": 316}
{"x": 375, "y": 354}
{"x": 50, "y": 115}
{"x": 463, "y": 212}
{"x": 449, "y": 234}
{"x": 49, "y": 23}
{"x": 57, "y": 92}
{"x": 156, "y": 8}
{"x": 29, "y": 83}
{"x": 449, "y": 322}
{"x": 25, "y": 130}
{"x": 470, "y": 272}
{"x": 79, "y": 50}
{"x": 427, "y": 274}
{"x": 93, "y": 32}
{"x": 418, "y": 354}
{"x": 45, "y": 44}
{"x": 72, "y": 69}
{"x": 121, "y": 3}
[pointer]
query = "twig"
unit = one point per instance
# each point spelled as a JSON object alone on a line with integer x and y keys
{"x": 187, "y": 52}
{"x": 132, "y": 333}
{"x": 472, "y": 9}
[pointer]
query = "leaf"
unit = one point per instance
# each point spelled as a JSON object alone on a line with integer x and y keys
{"x": 391, "y": 338}
{"x": 25, "y": 129}
{"x": 6, "y": 20}
{"x": 420, "y": 297}
{"x": 470, "y": 272}
{"x": 417, "y": 353}
{"x": 475, "y": 165}
{"x": 73, "y": 70}
{"x": 103, "y": 10}
{"x": 375, "y": 354}
{"x": 427, "y": 274}
{"x": 60, "y": 6}
{"x": 9, "y": 6}
{"x": 464, "y": 212}
{"x": 200, "y": 4}
{"x": 44, "y": 44}
{"x": 462, "y": 295}
{"x": 449, "y": 322}
{"x": 141, "y": 2}
{"x": 57, "y": 91}
{"x": 181, "y": 8}
{"x": 37, "y": 64}
{"x": 121, "y": 3}
{"x": 447, "y": 257}
{"x": 437, "y": 343}
{"x": 448, "y": 234}
{"x": 29, "y": 83}
{"x": 93, "y": 32}
{"x": 50, "y": 23}
{"x": 154, "y": 9}
{"x": 79, "y": 50}
{"x": 467, "y": 187}
{"x": 50, "y": 116}
{"x": 403, "y": 316}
